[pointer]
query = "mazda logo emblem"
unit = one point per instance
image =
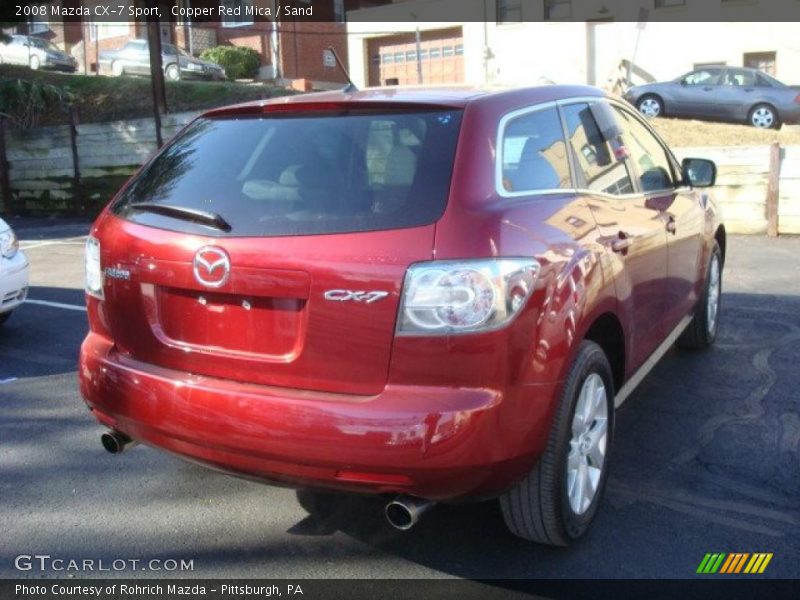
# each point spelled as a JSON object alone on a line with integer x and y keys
{"x": 211, "y": 266}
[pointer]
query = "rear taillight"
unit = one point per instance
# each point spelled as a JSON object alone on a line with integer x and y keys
{"x": 444, "y": 297}
{"x": 797, "y": 99}
{"x": 94, "y": 272}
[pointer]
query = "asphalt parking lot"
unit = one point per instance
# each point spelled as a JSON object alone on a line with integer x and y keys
{"x": 706, "y": 459}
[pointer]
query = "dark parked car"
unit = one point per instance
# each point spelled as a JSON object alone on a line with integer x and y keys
{"x": 435, "y": 294}
{"x": 36, "y": 53}
{"x": 134, "y": 58}
{"x": 721, "y": 93}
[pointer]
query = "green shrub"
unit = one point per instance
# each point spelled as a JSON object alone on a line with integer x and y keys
{"x": 239, "y": 62}
{"x": 25, "y": 102}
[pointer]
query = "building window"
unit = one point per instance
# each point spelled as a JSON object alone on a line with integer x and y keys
{"x": 339, "y": 14}
{"x": 557, "y": 9}
{"x": 509, "y": 11}
{"x": 104, "y": 31}
{"x": 669, "y": 3}
{"x": 243, "y": 13}
{"x": 763, "y": 61}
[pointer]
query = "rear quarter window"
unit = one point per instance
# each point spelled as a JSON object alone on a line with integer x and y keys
{"x": 303, "y": 173}
{"x": 534, "y": 154}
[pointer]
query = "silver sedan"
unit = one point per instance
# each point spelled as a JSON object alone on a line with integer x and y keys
{"x": 721, "y": 93}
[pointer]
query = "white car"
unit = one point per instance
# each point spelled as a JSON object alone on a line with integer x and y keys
{"x": 13, "y": 272}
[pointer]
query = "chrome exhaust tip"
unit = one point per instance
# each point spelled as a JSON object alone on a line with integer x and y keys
{"x": 115, "y": 442}
{"x": 404, "y": 511}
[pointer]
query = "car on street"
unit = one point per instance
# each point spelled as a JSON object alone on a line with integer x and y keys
{"x": 735, "y": 94}
{"x": 134, "y": 59}
{"x": 36, "y": 53}
{"x": 13, "y": 272}
{"x": 433, "y": 294}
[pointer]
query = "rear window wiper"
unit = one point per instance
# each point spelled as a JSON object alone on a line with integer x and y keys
{"x": 184, "y": 212}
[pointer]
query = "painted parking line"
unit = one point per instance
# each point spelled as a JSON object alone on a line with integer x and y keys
{"x": 56, "y": 305}
{"x": 72, "y": 241}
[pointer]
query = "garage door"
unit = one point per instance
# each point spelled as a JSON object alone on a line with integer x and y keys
{"x": 394, "y": 59}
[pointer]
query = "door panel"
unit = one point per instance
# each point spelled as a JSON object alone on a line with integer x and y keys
{"x": 629, "y": 228}
{"x": 678, "y": 211}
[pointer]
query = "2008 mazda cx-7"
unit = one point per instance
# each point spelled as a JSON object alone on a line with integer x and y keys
{"x": 434, "y": 294}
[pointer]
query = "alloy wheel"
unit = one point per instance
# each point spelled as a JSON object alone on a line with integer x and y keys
{"x": 587, "y": 448}
{"x": 650, "y": 107}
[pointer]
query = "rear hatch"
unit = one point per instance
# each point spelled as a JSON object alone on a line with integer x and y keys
{"x": 271, "y": 249}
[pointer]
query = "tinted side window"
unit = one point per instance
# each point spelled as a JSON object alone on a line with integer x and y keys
{"x": 740, "y": 78}
{"x": 653, "y": 165}
{"x": 534, "y": 154}
{"x": 598, "y": 169}
{"x": 703, "y": 77}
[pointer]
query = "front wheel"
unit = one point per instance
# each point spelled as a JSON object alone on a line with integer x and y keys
{"x": 558, "y": 500}
{"x": 117, "y": 69}
{"x": 35, "y": 63}
{"x": 173, "y": 73}
{"x": 650, "y": 106}
{"x": 4, "y": 317}
{"x": 702, "y": 331}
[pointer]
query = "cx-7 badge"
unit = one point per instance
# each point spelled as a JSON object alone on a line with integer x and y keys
{"x": 350, "y": 296}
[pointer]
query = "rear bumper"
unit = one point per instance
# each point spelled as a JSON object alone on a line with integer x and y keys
{"x": 436, "y": 443}
{"x": 13, "y": 281}
{"x": 790, "y": 115}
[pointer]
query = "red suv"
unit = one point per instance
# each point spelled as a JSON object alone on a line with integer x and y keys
{"x": 434, "y": 294}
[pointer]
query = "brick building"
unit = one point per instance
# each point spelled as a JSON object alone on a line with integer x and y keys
{"x": 289, "y": 49}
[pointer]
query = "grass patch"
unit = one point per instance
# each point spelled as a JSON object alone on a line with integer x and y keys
{"x": 102, "y": 98}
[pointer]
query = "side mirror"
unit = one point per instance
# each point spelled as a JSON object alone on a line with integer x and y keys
{"x": 699, "y": 172}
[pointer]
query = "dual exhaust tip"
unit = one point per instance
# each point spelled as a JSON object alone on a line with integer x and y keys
{"x": 402, "y": 513}
{"x": 115, "y": 442}
{"x": 405, "y": 511}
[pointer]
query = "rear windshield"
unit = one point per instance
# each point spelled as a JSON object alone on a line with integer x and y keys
{"x": 301, "y": 174}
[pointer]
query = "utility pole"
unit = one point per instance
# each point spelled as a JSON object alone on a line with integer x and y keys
{"x": 156, "y": 73}
{"x": 418, "y": 38}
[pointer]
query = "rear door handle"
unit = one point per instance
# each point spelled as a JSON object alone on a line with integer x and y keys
{"x": 708, "y": 89}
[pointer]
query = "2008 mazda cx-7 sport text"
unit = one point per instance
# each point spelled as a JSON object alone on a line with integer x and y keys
{"x": 436, "y": 295}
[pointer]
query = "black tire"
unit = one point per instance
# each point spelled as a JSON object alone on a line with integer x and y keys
{"x": 172, "y": 72}
{"x": 4, "y": 317}
{"x": 701, "y": 334}
{"x": 650, "y": 98}
{"x": 538, "y": 508}
{"x": 774, "y": 123}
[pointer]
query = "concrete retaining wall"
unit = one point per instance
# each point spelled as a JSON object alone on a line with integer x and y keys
{"x": 41, "y": 171}
{"x": 742, "y": 180}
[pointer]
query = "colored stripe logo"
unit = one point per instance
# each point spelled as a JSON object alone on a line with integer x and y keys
{"x": 734, "y": 563}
